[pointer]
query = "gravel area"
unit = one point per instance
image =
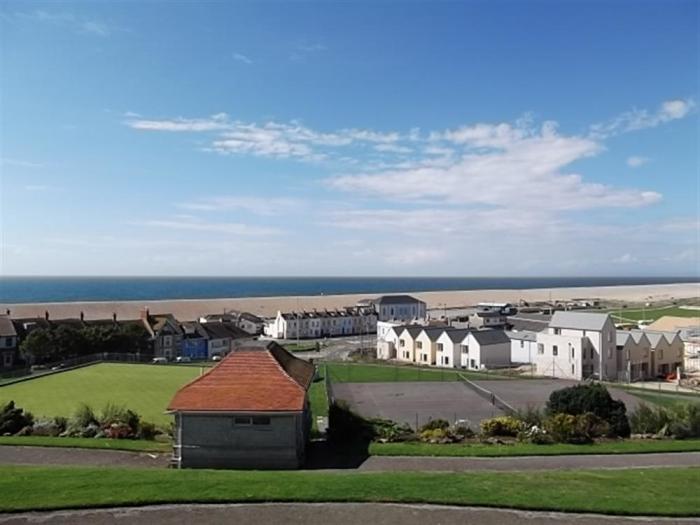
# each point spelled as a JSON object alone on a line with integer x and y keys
{"x": 13, "y": 455}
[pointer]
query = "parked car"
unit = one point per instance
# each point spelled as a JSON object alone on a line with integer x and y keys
{"x": 159, "y": 361}
{"x": 58, "y": 366}
{"x": 216, "y": 357}
{"x": 182, "y": 359}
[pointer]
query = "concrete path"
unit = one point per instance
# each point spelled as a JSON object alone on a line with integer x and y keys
{"x": 404, "y": 463}
{"x": 335, "y": 513}
{"x": 10, "y": 455}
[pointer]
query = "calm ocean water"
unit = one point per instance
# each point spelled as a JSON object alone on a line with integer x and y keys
{"x": 61, "y": 289}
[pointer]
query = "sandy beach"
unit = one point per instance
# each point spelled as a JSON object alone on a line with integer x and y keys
{"x": 189, "y": 309}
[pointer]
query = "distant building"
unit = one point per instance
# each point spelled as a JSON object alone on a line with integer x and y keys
{"x": 8, "y": 343}
{"x": 634, "y": 356}
{"x": 323, "y": 323}
{"x": 246, "y": 321}
{"x": 251, "y": 411}
{"x": 488, "y": 318}
{"x": 222, "y": 338}
{"x": 165, "y": 332}
{"x": 194, "y": 341}
{"x": 397, "y": 307}
{"x": 667, "y": 352}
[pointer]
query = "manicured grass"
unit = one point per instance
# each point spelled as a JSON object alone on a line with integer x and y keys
{"x": 136, "y": 445}
{"x": 663, "y": 399}
{"x": 527, "y": 449}
{"x": 146, "y": 389}
{"x": 367, "y": 373}
{"x": 634, "y": 491}
{"x": 301, "y": 347}
{"x": 640, "y": 314}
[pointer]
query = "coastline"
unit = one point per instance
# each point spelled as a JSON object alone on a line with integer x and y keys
{"x": 190, "y": 309}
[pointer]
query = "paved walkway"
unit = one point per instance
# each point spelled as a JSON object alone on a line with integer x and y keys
{"x": 398, "y": 463}
{"x": 11, "y": 455}
{"x": 335, "y": 513}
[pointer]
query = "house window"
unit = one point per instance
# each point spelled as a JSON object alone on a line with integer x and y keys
{"x": 522, "y": 344}
{"x": 242, "y": 420}
{"x": 472, "y": 363}
{"x": 555, "y": 350}
{"x": 8, "y": 342}
{"x": 572, "y": 370}
{"x": 419, "y": 344}
{"x": 573, "y": 353}
{"x": 661, "y": 354}
{"x": 261, "y": 420}
{"x": 540, "y": 348}
{"x": 167, "y": 340}
{"x": 557, "y": 331}
{"x": 439, "y": 347}
{"x": 423, "y": 357}
{"x": 402, "y": 342}
{"x": 465, "y": 349}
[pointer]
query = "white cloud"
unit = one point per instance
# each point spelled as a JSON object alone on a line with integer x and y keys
{"x": 625, "y": 259}
{"x": 228, "y": 228}
{"x": 521, "y": 168}
{"x": 392, "y": 148}
{"x": 256, "y": 205}
{"x": 76, "y": 23}
{"x": 213, "y": 123}
{"x": 20, "y": 163}
{"x": 239, "y": 57}
{"x": 641, "y": 118}
{"x": 635, "y": 162}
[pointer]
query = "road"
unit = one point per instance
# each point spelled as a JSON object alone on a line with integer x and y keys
{"x": 13, "y": 455}
{"x": 336, "y": 513}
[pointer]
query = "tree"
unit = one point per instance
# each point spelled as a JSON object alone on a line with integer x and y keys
{"x": 68, "y": 341}
{"x": 38, "y": 346}
{"x": 594, "y": 399}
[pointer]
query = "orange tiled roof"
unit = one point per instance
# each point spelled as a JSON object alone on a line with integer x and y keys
{"x": 255, "y": 379}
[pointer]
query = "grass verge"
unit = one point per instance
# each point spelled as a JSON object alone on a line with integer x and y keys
{"x": 527, "y": 449}
{"x": 661, "y": 492}
{"x": 133, "y": 445}
{"x": 369, "y": 373}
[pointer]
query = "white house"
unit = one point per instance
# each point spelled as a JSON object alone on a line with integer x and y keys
{"x": 397, "y": 307}
{"x": 406, "y": 350}
{"x": 449, "y": 347}
{"x": 426, "y": 345}
{"x": 484, "y": 349}
{"x": 388, "y": 338}
{"x": 577, "y": 345}
{"x": 523, "y": 346}
{"x": 322, "y": 323}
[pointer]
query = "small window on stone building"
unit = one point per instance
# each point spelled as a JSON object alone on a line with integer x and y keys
{"x": 241, "y": 420}
{"x": 261, "y": 420}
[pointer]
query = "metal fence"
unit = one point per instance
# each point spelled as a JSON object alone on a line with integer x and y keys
{"x": 488, "y": 396}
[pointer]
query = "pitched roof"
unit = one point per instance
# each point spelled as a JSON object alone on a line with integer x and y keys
{"x": 433, "y": 332}
{"x": 579, "y": 320}
{"x": 396, "y": 299}
{"x": 656, "y": 338}
{"x": 523, "y": 335}
{"x": 457, "y": 335}
{"x": 621, "y": 337}
{"x": 490, "y": 337}
{"x": 7, "y": 329}
{"x": 221, "y": 330}
{"x": 255, "y": 378}
{"x": 413, "y": 330}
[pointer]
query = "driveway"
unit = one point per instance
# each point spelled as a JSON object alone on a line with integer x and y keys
{"x": 335, "y": 513}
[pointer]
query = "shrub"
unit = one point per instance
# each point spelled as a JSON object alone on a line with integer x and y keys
{"x": 13, "y": 419}
{"x": 84, "y": 416}
{"x": 118, "y": 431}
{"x": 435, "y": 424}
{"x": 593, "y": 398}
{"x": 685, "y": 421}
{"x": 648, "y": 420}
{"x": 531, "y": 416}
{"x": 147, "y": 430}
{"x": 501, "y": 426}
{"x": 566, "y": 428}
{"x": 387, "y": 430}
{"x": 536, "y": 435}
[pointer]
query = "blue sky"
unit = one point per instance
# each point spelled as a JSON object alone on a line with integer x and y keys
{"x": 378, "y": 138}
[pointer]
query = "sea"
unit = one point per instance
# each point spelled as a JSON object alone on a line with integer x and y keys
{"x": 65, "y": 289}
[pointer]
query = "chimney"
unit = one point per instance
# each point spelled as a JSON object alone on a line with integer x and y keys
{"x": 46, "y": 314}
{"x": 114, "y": 317}
{"x": 82, "y": 316}
{"x": 144, "y": 314}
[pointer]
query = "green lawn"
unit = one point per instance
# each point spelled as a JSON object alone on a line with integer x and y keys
{"x": 652, "y": 314}
{"x": 146, "y": 389}
{"x": 137, "y": 445}
{"x": 632, "y": 491}
{"x": 367, "y": 373}
{"x": 663, "y": 399}
{"x": 527, "y": 449}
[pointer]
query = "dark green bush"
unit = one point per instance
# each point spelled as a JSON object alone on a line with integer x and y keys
{"x": 648, "y": 420}
{"x": 147, "y": 430}
{"x": 13, "y": 419}
{"x": 435, "y": 424}
{"x": 593, "y": 398}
